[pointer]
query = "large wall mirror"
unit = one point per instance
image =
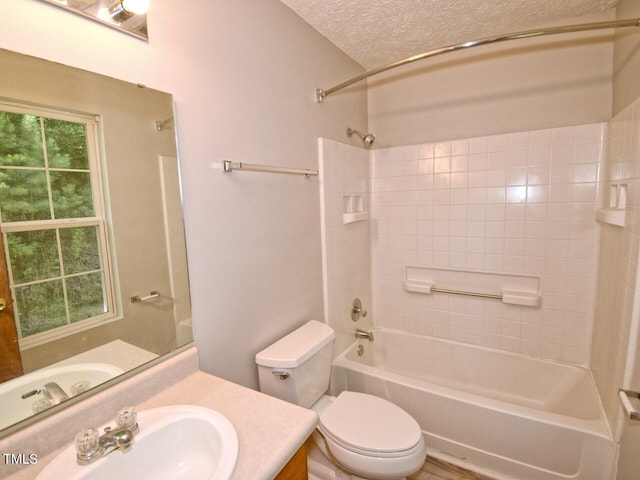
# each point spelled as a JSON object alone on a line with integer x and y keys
{"x": 93, "y": 271}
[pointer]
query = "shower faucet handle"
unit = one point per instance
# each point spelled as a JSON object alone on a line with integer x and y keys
{"x": 357, "y": 311}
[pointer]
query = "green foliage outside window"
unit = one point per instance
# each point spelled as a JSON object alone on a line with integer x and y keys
{"x": 55, "y": 266}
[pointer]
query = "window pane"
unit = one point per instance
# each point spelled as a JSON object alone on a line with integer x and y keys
{"x": 20, "y": 140}
{"x": 86, "y": 296}
{"x": 23, "y": 195}
{"x": 33, "y": 255}
{"x": 40, "y": 307}
{"x": 66, "y": 144}
{"x": 71, "y": 195}
{"x": 80, "y": 252}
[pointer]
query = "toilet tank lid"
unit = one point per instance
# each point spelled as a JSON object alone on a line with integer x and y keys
{"x": 295, "y": 348}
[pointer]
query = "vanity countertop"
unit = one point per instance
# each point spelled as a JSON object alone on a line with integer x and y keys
{"x": 269, "y": 430}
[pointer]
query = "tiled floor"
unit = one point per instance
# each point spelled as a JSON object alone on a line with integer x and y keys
{"x": 436, "y": 470}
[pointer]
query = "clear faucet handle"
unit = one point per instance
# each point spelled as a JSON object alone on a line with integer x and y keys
{"x": 41, "y": 405}
{"x": 79, "y": 387}
{"x": 87, "y": 441}
{"x": 127, "y": 418}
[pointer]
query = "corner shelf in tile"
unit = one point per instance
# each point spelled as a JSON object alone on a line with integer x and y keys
{"x": 354, "y": 217}
{"x": 615, "y": 212}
{"x": 611, "y": 216}
{"x": 353, "y": 208}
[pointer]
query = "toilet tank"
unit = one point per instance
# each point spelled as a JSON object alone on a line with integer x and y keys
{"x": 297, "y": 367}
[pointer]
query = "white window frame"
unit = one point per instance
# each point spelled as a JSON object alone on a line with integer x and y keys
{"x": 100, "y": 220}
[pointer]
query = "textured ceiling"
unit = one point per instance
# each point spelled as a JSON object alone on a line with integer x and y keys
{"x": 376, "y": 32}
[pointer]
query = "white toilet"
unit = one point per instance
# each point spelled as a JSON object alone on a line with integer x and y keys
{"x": 363, "y": 434}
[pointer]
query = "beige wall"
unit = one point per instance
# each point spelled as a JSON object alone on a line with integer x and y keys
{"x": 626, "y": 60}
{"x": 135, "y": 223}
{"x": 243, "y": 75}
{"x": 515, "y": 86}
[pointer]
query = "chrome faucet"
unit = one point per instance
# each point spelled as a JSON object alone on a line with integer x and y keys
{"x": 91, "y": 446}
{"x": 359, "y": 333}
{"x": 54, "y": 393}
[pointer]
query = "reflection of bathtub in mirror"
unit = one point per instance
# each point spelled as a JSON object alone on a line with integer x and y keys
{"x": 23, "y": 396}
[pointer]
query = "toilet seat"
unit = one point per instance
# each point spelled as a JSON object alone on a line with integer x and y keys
{"x": 370, "y": 425}
{"x": 371, "y": 437}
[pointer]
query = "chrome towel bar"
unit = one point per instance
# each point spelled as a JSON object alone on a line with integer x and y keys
{"x": 625, "y": 396}
{"x": 153, "y": 294}
{"x": 228, "y": 166}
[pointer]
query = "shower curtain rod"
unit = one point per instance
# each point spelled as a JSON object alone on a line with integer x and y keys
{"x": 632, "y": 22}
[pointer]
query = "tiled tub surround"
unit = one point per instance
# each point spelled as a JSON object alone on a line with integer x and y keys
{"x": 509, "y": 416}
{"x": 519, "y": 203}
{"x": 344, "y": 174}
{"x": 615, "y": 353}
{"x": 269, "y": 430}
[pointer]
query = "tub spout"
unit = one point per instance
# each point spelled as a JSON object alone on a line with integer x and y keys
{"x": 359, "y": 333}
{"x": 53, "y": 392}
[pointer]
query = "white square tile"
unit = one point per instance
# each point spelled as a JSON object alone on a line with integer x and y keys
{"x": 539, "y": 156}
{"x": 519, "y": 140}
{"x": 517, "y": 158}
{"x": 537, "y": 194}
{"x": 478, "y": 145}
{"x": 442, "y": 165}
{"x": 589, "y": 133}
{"x": 426, "y": 150}
{"x": 562, "y": 154}
{"x": 497, "y": 143}
{"x": 496, "y": 195}
{"x": 460, "y": 147}
{"x": 563, "y": 136}
{"x": 516, "y": 194}
{"x": 497, "y": 160}
{"x": 466, "y": 212}
{"x": 478, "y": 161}
{"x": 540, "y": 138}
{"x": 442, "y": 149}
{"x": 517, "y": 176}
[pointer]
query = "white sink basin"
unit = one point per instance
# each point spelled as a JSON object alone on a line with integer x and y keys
{"x": 173, "y": 443}
{"x": 16, "y": 408}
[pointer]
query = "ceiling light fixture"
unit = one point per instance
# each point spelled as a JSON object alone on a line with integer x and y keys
{"x": 129, "y": 16}
{"x": 125, "y": 9}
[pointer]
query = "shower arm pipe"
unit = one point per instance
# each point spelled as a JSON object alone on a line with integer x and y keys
{"x": 632, "y": 22}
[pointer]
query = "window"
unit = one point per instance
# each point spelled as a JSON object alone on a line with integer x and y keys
{"x": 52, "y": 217}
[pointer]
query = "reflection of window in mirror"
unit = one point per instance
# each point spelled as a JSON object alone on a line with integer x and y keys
{"x": 53, "y": 222}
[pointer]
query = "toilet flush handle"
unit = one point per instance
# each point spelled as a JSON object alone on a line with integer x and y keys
{"x": 282, "y": 374}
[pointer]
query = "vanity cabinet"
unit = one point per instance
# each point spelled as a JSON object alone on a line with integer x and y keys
{"x": 296, "y": 469}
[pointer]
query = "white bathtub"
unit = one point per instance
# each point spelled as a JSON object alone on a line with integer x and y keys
{"x": 502, "y": 414}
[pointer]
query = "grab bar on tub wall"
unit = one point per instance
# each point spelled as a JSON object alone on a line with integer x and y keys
{"x": 625, "y": 396}
{"x": 470, "y": 294}
{"x": 513, "y": 289}
{"x": 512, "y": 297}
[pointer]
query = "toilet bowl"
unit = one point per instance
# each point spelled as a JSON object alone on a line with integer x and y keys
{"x": 369, "y": 436}
{"x": 365, "y": 435}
